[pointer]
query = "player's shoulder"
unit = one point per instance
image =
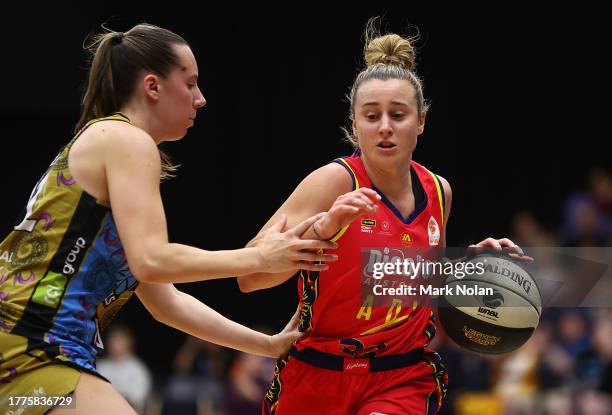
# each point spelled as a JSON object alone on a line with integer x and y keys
{"x": 120, "y": 137}
{"x": 445, "y": 185}
{"x": 331, "y": 177}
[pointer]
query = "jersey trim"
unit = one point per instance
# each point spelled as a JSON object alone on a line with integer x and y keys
{"x": 440, "y": 192}
{"x": 348, "y": 168}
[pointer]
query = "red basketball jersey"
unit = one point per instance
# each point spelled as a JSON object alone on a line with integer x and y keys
{"x": 343, "y": 320}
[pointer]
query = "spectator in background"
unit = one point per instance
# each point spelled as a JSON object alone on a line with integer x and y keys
{"x": 597, "y": 399}
{"x": 194, "y": 386}
{"x": 587, "y": 215}
{"x": 528, "y": 231}
{"x": 602, "y": 340}
{"x": 124, "y": 369}
{"x": 249, "y": 378}
{"x": 516, "y": 382}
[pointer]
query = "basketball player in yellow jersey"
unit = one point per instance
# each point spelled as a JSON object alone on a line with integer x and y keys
{"x": 94, "y": 232}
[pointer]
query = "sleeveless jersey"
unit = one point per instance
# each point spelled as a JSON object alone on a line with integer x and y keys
{"x": 63, "y": 274}
{"x": 342, "y": 320}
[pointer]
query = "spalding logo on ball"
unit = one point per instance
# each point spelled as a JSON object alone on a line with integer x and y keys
{"x": 493, "y": 323}
{"x": 494, "y": 300}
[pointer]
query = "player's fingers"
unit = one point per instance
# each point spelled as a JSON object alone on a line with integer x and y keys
{"x": 316, "y": 257}
{"x": 360, "y": 203}
{"x": 344, "y": 210}
{"x": 371, "y": 206}
{"x": 295, "y": 319}
{"x": 279, "y": 225}
{"x": 505, "y": 242}
{"x": 311, "y": 267}
{"x": 300, "y": 228}
{"x": 371, "y": 194}
{"x": 521, "y": 257}
{"x": 316, "y": 244}
{"x": 490, "y": 243}
{"x": 514, "y": 249}
{"x": 293, "y": 335}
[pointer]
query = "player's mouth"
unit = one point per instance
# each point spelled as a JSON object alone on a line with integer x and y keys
{"x": 386, "y": 145}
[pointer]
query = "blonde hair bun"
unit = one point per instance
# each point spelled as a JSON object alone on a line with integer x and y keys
{"x": 390, "y": 49}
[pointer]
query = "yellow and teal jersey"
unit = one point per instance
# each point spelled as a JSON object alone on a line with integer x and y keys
{"x": 63, "y": 274}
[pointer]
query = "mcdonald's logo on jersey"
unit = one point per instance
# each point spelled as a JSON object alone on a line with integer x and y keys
{"x": 406, "y": 238}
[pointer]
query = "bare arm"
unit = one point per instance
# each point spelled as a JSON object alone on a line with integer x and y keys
{"x": 183, "y": 312}
{"x": 132, "y": 169}
{"x": 327, "y": 189}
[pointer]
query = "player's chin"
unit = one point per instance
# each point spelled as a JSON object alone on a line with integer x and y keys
{"x": 179, "y": 135}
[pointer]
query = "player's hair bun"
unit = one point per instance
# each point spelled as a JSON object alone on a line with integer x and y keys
{"x": 390, "y": 49}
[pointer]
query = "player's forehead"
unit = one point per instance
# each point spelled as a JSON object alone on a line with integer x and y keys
{"x": 393, "y": 91}
{"x": 187, "y": 62}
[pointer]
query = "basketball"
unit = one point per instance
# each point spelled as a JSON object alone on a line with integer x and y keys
{"x": 496, "y": 321}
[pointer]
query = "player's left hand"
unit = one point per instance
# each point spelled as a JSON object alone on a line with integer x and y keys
{"x": 504, "y": 245}
{"x": 281, "y": 343}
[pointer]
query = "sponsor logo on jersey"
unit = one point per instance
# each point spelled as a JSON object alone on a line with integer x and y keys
{"x": 433, "y": 230}
{"x": 50, "y": 289}
{"x": 367, "y": 225}
{"x": 73, "y": 255}
{"x": 356, "y": 365}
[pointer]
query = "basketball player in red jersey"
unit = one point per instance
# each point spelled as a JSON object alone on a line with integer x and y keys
{"x": 357, "y": 358}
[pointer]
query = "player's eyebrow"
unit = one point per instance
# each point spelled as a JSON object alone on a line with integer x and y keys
{"x": 374, "y": 103}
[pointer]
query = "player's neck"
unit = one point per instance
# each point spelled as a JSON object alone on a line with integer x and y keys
{"x": 393, "y": 181}
{"x": 142, "y": 119}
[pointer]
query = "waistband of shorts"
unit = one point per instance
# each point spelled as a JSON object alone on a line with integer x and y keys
{"x": 358, "y": 365}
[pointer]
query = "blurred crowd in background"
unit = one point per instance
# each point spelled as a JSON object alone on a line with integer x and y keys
{"x": 565, "y": 368}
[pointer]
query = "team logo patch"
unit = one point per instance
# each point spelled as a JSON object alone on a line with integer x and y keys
{"x": 433, "y": 230}
{"x": 385, "y": 228}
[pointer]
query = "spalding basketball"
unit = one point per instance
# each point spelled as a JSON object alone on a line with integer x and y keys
{"x": 494, "y": 312}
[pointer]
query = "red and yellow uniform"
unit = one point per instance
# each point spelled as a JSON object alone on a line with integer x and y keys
{"x": 360, "y": 357}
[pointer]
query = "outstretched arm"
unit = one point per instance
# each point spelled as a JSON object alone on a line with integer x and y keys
{"x": 183, "y": 312}
{"x": 132, "y": 170}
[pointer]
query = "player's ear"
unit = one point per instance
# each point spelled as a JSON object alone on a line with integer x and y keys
{"x": 151, "y": 86}
{"x": 421, "y": 126}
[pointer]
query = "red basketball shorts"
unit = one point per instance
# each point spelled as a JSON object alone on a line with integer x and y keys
{"x": 301, "y": 388}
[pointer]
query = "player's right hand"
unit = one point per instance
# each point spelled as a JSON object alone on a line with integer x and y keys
{"x": 346, "y": 209}
{"x": 286, "y": 251}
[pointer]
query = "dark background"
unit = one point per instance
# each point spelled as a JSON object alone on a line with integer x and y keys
{"x": 516, "y": 121}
